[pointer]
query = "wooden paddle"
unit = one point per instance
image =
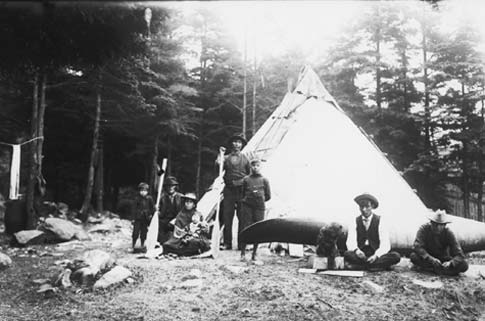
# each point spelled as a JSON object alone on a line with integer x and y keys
{"x": 216, "y": 230}
{"x": 152, "y": 234}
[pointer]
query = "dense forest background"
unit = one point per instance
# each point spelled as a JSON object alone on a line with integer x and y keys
{"x": 113, "y": 90}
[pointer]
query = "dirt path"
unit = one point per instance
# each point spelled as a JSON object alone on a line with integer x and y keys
{"x": 206, "y": 289}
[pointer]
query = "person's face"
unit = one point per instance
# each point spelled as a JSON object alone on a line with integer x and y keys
{"x": 237, "y": 144}
{"x": 189, "y": 204}
{"x": 256, "y": 168}
{"x": 437, "y": 228}
{"x": 365, "y": 208}
{"x": 143, "y": 192}
{"x": 171, "y": 189}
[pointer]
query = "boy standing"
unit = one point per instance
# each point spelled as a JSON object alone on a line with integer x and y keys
{"x": 255, "y": 191}
{"x": 143, "y": 210}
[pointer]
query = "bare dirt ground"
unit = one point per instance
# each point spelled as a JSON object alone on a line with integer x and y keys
{"x": 272, "y": 291}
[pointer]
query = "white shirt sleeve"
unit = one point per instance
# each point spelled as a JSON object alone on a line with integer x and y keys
{"x": 352, "y": 236}
{"x": 385, "y": 245}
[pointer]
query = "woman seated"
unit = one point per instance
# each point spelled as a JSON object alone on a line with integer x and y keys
{"x": 191, "y": 233}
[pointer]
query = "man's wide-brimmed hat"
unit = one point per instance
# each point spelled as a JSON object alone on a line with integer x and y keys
{"x": 190, "y": 196}
{"x": 367, "y": 197}
{"x": 439, "y": 217}
{"x": 237, "y": 137}
{"x": 170, "y": 180}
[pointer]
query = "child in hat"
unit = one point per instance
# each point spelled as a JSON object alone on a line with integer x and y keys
{"x": 256, "y": 191}
{"x": 143, "y": 210}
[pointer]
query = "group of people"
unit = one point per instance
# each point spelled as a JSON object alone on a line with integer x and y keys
{"x": 181, "y": 228}
{"x": 183, "y": 231}
{"x": 245, "y": 192}
{"x": 435, "y": 248}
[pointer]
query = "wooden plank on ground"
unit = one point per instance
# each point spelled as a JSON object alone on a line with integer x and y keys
{"x": 347, "y": 273}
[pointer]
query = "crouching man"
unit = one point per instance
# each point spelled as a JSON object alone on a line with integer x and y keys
{"x": 331, "y": 243}
{"x": 368, "y": 241}
{"x": 436, "y": 248}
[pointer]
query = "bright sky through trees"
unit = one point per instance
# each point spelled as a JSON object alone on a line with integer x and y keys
{"x": 273, "y": 27}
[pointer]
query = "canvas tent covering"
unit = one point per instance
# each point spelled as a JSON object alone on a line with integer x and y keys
{"x": 317, "y": 160}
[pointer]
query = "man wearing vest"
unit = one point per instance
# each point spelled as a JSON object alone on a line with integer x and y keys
{"x": 170, "y": 206}
{"x": 236, "y": 167}
{"x": 368, "y": 241}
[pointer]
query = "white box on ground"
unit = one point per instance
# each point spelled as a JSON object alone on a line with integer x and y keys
{"x": 296, "y": 250}
{"x": 320, "y": 263}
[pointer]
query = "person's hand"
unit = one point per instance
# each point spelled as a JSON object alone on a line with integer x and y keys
{"x": 435, "y": 262}
{"x": 222, "y": 149}
{"x": 447, "y": 264}
{"x": 360, "y": 254}
{"x": 372, "y": 258}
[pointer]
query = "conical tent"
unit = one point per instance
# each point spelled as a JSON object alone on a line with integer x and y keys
{"x": 317, "y": 160}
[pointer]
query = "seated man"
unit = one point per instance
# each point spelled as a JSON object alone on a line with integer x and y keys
{"x": 436, "y": 248}
{"x": 368, "y": 240}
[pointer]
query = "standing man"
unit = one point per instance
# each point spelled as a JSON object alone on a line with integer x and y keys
{"x": 170, "y": 206}
{"x": 236, "y": 167}
{"x": 436, "y": 248}
{"x": 368, "y": 241}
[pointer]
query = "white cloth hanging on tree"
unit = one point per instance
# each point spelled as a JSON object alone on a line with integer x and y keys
{"x": 15, "y": 173}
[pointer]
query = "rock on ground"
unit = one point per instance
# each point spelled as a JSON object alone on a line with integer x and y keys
{"x": 82, "y": 235}
{"x": 64, "y": 279}
{"x": 5, "y": 261}
{"x": 63, "y": 229}
{"x": 94, "y": 261}
{"x": 116, "y": 275}
{"x": 29, "y": 237}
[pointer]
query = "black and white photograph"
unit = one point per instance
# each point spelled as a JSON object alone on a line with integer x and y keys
{"x": 242, "y": 160}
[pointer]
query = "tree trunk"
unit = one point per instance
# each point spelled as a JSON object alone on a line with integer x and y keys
{"x": 255, "y": 79}
{"x": 378, "y": 62}
{"x": 33, "y": 162}
{"x": 199, "y": 165}
{"x": 169, "y": 155}
{"x": 481, "y": 170}
{"x": 100, "y": 178}
{"x": 427, "y": 112}
{"x": 245, "y": 89}
{"x": 466, "y": 176}
{"x": 405, "y": 85}
{"x": 378, "y": 72}
{"x": 42, "y": 106}
{"x": 153, "y": 181}
{"x": 480, "y": 194}
{"x": 90, "y": 182}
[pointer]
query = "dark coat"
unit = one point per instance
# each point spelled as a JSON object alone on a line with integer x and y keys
{"x": 143, "y": 207}
{"x": 443, "y": 246}
{"x": 169, "y": 208}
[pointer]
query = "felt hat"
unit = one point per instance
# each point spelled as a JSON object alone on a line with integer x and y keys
{"x": 237, "y": 137}
{"x": 369, "y": 197}
{"x": 143, "y": 185}
{"x": 439, "y": 217}
{"x": 170, "y": 180}
{"x": 190, "y": 196}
